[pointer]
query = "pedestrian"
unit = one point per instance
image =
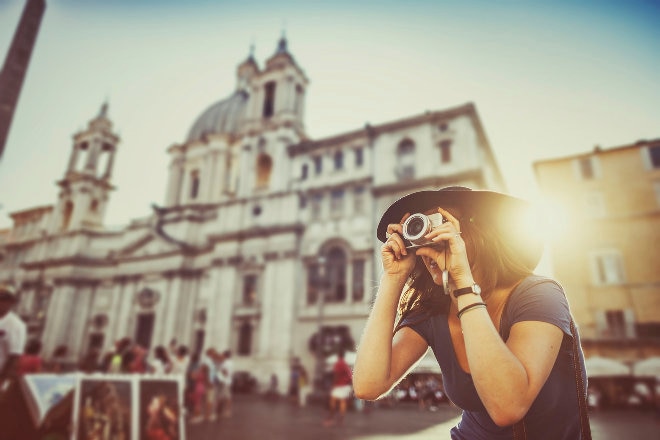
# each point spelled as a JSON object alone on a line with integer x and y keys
{"x": 31, "y": 362}
{"x": 225, "y": 372}
{"x": 161, "y": 363}
{"x": 463, "y": 284}
{"x": 211, "y": 392}
{"x": 13, "y": 334}
{"x": 340, "y": 391}
{"x": 57, "y": 363}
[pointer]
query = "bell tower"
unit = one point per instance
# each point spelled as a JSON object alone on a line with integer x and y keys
{"x": 278, "y": 93}
{"x": 86, "y": 186}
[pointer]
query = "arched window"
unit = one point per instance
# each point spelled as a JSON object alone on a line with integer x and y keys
{"x": 269, "y": 99}
{"x": 245, "y": 339}
{"x": 406, "y": 159}
{"x": 336, "y": 273}
{"x": 339, "y": 160}
{"x": 264, "y": 168}
{"x": 68, "y": 211}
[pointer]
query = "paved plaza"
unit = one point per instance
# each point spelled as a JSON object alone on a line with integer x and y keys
{"x": 254, "y": 418}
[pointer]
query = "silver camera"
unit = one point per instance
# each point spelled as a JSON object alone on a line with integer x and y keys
{"x": 418, "y": 225}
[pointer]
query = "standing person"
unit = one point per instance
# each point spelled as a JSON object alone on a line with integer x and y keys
{"x": 225, "y": 373}
{"x": 503, "y": 337}
{"x": 340, "y": 392}
{"x": 13, "y": 334}
{"x": 30, "y": 361}
{"x": 211, "y": 394}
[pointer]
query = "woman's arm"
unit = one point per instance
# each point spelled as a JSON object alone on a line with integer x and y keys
{"x": 508, "y": 376}
{"x": 382, "y": 359}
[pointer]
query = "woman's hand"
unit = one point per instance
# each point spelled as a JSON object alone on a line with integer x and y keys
{"x": 453, "y": 254}
{"x": 397, "y": 260}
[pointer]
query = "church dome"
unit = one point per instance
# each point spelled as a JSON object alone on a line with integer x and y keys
{"x": 223, "y": 117}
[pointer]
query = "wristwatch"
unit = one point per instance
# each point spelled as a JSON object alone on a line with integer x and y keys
{"x": 475, "y": 289}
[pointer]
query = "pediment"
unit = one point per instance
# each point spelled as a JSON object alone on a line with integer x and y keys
{"x": 147, "y": 245}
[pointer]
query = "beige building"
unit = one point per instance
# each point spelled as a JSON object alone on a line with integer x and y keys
{"x": 230, "y": 259}
{"x": 608, "y": 254}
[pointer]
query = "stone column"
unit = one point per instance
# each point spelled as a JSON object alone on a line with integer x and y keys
{"x": 73, "y": 159}
{"x": 108, "y": 168}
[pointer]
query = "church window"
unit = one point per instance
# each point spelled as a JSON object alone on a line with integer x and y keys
{"x": 313, "y": 283}
{"x": 245, "y": 339}
{"x": 316, "y": 206}
{"x": 302, "y": 201}
{"x": 358, "y": 280}
{"x": 445, "y": 151}
{"x": 359, "y": 157}
{"x": 249, "y": 290}
{"x": 94, "y": 206}
{"x": 318, "y": 164}
{"x": 68, "y": 211}
{"x": 299, "y": 99}
{"x": 337, "y": 202}
{"x": 269, "y": 100}
{"x": 264, "y": 168}
{"x": 359, "y": 200}
{"x": 256, "y": 211}
{"x": 194, "y": 184}
{"x": 406, "y": 160}
{"x": 107, "y": 146}
{"x": 443, "y": 127}
{"x": 303, "y": 172}
{"x": 336, "y": 273}
{"x": 339, "y": 160}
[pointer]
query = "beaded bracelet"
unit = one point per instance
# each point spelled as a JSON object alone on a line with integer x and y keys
{"x": 470, "y": 307}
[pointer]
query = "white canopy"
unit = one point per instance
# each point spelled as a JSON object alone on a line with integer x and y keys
{"x": 597, "y": 366}
{"x": 647, "y": 367}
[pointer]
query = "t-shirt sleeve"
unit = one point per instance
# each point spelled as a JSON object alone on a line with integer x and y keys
{"x": 544, "y": 302}
{"x": 421, "y": 325}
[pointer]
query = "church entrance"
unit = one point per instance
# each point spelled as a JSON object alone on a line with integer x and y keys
{"x": 144, "y": 329}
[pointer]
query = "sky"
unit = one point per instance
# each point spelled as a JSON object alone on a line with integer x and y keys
{"x": 548, "y": 79}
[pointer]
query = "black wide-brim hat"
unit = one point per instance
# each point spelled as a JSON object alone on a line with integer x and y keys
{"x": 512, "y": 217}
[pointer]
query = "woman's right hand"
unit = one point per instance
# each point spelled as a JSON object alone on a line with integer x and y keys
{"x": 397, "y": 260}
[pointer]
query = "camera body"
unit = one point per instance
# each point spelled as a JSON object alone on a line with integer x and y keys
{"x": 418, "y": 225}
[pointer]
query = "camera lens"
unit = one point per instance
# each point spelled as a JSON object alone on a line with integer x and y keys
{"x": 415, "y": 227}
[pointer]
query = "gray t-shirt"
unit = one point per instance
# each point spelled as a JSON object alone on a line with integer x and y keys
{"x": 554, "y": 415}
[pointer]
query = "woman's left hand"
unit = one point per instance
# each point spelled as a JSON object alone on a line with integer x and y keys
{"x": 456, "y": 259}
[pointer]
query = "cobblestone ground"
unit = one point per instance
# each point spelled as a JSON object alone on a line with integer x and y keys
{"x": 254, "y": 418}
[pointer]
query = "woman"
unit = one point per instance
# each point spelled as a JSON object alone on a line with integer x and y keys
{"x": 503, "y": 337}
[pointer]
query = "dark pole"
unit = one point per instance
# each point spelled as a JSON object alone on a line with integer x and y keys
{"x": 318, "y": 380}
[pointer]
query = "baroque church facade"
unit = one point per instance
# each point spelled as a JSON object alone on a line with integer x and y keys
{"x": 265, "y": 243}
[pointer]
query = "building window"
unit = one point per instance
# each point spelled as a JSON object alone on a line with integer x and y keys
{"x": 607, "y": 268}
{"x": 359, "y": 200}
{"x": 313, "y": 283}
{"x": 245, "y": 339}
{"x": 339, "y": 160}
{"x": 303, "y": 171}
{"x": 595, "y": 204}
{"x": 359, "y": 157}
{"x": 302, "y": 201}
{"x": 358, "y": 280}
{"x": 586, "y": 168}
{"x": 269, "y": 99}
{"x": 406, "y": 160}
{"x": 94, "y": 206}
{"x": 443, "y": 127}
{"x": 194, "y": 184}
{"x": 654, "y": 154}
{"x": 615, "y": 322}
{"x": 336, "y": 273}
{"x": 445, "y": 151}
{"x": 318, "y": 164}
{"x": 264, "y": 168}
{"x": 337, "y": 202}
{"x": 316, "y": 206}
{"x": 68, "y": 212}
{"x": 249, "y": 290}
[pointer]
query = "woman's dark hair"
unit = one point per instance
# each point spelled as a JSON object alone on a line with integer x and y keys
{"x": 493, "y": 262}
{"x": 160, "y": 353}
